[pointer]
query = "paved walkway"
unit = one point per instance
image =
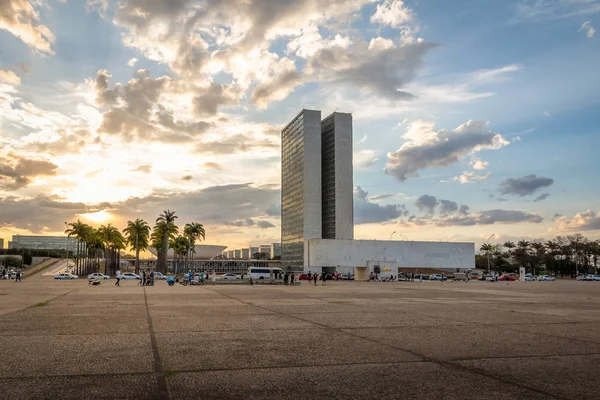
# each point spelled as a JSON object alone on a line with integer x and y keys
{"x": 346, "y": 340}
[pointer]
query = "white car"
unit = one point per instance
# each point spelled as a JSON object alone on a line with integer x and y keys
{"x": 159, "y": 276}
{"x": 529, "y": 277}
{"x": 65, "y": 276}
{"x": 231, "y": 277}
{"x": 129, "y": 275}
{"x": 98, "y": 275}
{"x": 546, "y": 278}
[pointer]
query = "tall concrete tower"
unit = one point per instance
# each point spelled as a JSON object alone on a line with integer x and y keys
{"x": 316, "y": 182}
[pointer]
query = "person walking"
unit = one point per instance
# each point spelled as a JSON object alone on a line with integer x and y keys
{"x": 324, "y": 278}
{"x": 292, "y": 279}
{"x": 315, "y": 278}
{"x": 152, "y": 277}
{"x": 118, "y": 276}
{"x": 214, "y": 277}
{"x": 18, "y": 277}
{"x": 142, "y": 281}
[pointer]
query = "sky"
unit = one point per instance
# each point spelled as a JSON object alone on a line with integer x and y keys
{"x": 472, "y": 118}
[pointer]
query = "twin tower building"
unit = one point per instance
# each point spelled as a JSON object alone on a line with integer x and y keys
{"x": 316, "y": 183}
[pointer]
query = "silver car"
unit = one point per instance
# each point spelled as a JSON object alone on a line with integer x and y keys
{"x": 98, "y": 275}
{"x": 65, "y": 276}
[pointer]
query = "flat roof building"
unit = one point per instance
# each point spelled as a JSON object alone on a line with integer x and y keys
{"x": 40, "y": 242}
{"x": 275, "y": 250}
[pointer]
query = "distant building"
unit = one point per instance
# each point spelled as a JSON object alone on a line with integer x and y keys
{"x": 44, "y": 242}
{"x": 224, "y": 254}
{"x": 253, "y": 250}
{"x": 230, "y": 254}
{"x": 238, "y": 254}
{"x": 265, "y": 248}
{"x": 275, "y": 250}
{"x": 245, "y": 254}
{"x": 1, "y": 243}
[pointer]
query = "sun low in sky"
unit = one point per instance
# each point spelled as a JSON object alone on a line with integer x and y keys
{"x": 470, "y": 118}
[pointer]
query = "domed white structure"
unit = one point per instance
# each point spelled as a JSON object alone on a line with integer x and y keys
{"x": 203, "y": 251}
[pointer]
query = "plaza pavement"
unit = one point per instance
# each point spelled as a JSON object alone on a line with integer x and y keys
{"x": 345, "y": 340}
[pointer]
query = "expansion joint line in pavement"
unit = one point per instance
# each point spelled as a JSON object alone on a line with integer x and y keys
{"x": 443, "y": 363}
{"x": 159, "y": 372}
{"x": 47, "y": 301}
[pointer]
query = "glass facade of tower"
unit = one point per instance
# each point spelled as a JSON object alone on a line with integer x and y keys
{"x": 292, "y": 192}
{"x": 328, "y": 177}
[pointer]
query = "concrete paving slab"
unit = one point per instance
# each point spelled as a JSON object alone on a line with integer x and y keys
{"x": 186, "y": 351}
{"x": 583, "y": 331}
{"x": 38, "y": 356}
{"x": 367, "y": 381}
{"x": 373, "y": 320}
{"x": 185, "y": 323}
{"x": 27, "y": 324}
{"x": 458, "y": 342}
{"x": 130, "y": 386}
{"x": 572, "y": 377}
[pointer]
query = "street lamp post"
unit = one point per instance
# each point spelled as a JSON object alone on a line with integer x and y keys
{"x": 392, "y": 235}
{"x": 68, "y": 240}
{"x": 488, "y": 250}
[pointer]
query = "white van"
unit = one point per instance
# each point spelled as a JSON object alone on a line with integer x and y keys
{"x": 263, "y": 273}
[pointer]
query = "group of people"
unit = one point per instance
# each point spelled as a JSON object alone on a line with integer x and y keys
{"x": 289, "y": 278}
{"x": 17, "y": 274}
{"x": 146, "y": 278}
{"x": 202, "y": 276}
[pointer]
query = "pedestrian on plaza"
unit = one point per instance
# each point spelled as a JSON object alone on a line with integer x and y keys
{"x": 142, "y": 281}
{"x": 292, "y": 279}
{"x": 18, "y": 277}
{"x": 118, "y": 276}
{"x": 315, "y": 278}
{"x": 151, "y": 277}
{"x": 285, "y": 278}
{"x": 323, "y": 278}
{"x": 309, "y": 276}
{"x": 214, "y": 277}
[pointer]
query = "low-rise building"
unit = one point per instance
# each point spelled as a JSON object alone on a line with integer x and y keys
{"x": 275, "y": 250}
{"x": 238, "y": 254}
{"x": 245, "y": 254}
{"x": 253, "y": 250}
{"x": 40, "y": 242}
{"x": 230, "y": 254}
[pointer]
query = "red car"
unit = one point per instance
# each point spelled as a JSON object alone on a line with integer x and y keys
{"x": 507, "y": 278}
{"x": 302, "y": 277}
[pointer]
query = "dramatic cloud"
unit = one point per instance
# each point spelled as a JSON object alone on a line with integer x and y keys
{"x": 463, "y": 218}
{"x": 21, "y": 172}
{"x": 9, "y": 77}
{"x": 235, "y": 144}
{"x": 187, "y": 178}
{"x": 554, "y": 9}
{"x": 426, "y": 203}
{"x": 426, "y": 147}
{"x": 366, "y": 212}
{"x": 583, "y": 221}
{"x": 213, "y": 97}
{"x": 277, "y": 87}
{"x": 249, "y": 222}
{"x": 364, "y": 158}
{"x": 588, "y": 29}
{"x": 525, "y": 185}
{"x": 146, "y": 169}
{"x": 20, "y": 18}
{"x": 274, "y": 210}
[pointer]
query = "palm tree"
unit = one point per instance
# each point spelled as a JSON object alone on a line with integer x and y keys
{"x": 80, "y": 230}
{"x": 166, "y": 229}
{"x": 193, "y": 232}
{"x": 181, "y": 247}
{"x": 137, "y": 235}
{"x": 113, "y": 241}
{"x": 510, "y": 246}
{"x": 95, "y": 243}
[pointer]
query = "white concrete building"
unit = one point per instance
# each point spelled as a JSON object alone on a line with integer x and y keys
{"x": 237, "y": 254}
{"x": 252, "y": 250}
{"x": 275, "y": 250}
{"x": 40, "y": 242}
{"x": 230, "y": 254}
{"x": 1, "y": 243}
{"x": 361, "y": 257}
{"x": 265, "y": 248}
{"x": 245, "y": 254}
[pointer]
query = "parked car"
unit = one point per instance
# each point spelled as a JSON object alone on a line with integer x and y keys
{"x": 98, "y": 275}
{"x": 584, "y": 277}
{"x": 129, "y": 275}
{"x": 65, "y": 276}
{"x": 231, "y": 277}
{"x": 546, "y": 278}
{"x": 595, "y": 277}
{"x": 507, "y": 278}
{"x": 303, "y": 277}
{"x": 529, "y": 277}
{"x": 437, "y": 277}
{"x": 159, "y": 276}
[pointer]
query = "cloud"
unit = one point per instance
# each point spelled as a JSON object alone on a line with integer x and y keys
{"x": 132, "y": 61}
{"x": 448, "y": 207}
{"x": 235, "y": 144}
{"x": 20, "y": 18}
{"x": 426, "y": 147}
{"x": 525, "y": 185}
{"x": 541, "y": 197}
{"x": 366, "y": 212}
{"x": 489, "y": 217}
{"x": 66, "y": 141}
{"x": 249, "y": 222}
{"x": 213, "y": 165}
{"x": 146, "y": 169}
{"x": 274, "y": 210}
{"x": 393, "y": 13}
{"x": 9, "y": 77}
{"x": 187, "y": 178}
{"x": 387, "y": 196}
{"x": 588, "y": 28}
{"x": 469, "y": 177}
{"x": 479, "y": 164}
{"x": 214, "y": 96}
{"x": 583, "y": 221}
{"x": 495, "y": 74}
{"x": 21, "y": 172}
{"x": 535, "y": 10}
{"x": 426, "y": 203}
{"x": 547, "y": 114}
{"x": 277, "y": 87}
{"x": 364, "y": 158}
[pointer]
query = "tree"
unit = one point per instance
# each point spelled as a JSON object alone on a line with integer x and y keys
{"x": 487, "y": 249}
{"x": 137, "y": 234}
{"x": 193, "y": 232}
{"x": 80, "y": 231}
{"x": 113, "y": 242}
{"x": 181, "y": 247}
{"x": 509, "y": 248}
{"x": 166, "y": 229}
{"x": 260, "y": 256}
